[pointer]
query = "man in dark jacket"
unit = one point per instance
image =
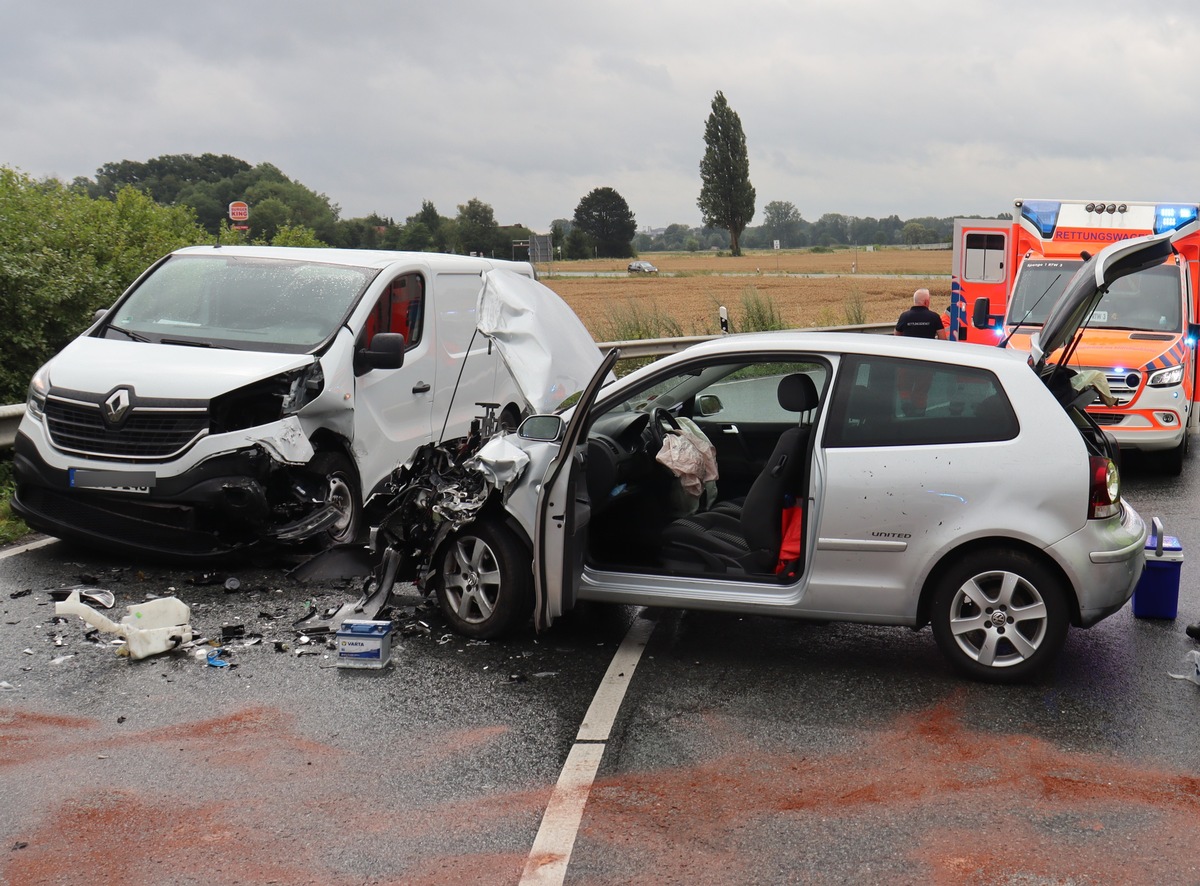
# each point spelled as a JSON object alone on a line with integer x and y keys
{"x": 919, "y": 321}
{"x": 914, "y": 382}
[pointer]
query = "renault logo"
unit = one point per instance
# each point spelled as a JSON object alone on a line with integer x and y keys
{"x": 116, "y": 405}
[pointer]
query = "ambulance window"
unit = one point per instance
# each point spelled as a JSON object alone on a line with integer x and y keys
{"x": 400, "y": 309}
{"x": 983, "y": 258}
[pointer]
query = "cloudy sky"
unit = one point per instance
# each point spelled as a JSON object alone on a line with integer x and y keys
{"x": 863, "y": 107}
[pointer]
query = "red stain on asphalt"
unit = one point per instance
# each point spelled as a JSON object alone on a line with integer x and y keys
{"x": 921, "y": 799}
{"x": 896, "y": 807}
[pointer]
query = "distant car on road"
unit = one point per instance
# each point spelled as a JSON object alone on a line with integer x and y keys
{"x": 642, "y": 267}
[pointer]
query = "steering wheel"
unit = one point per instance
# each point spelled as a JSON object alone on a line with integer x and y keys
{"x": 661, "y": 421}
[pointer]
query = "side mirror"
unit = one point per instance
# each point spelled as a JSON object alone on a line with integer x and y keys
{"x": 981, "y": 314}
{"x": 386, "y": 352}
{"x": 99, "y": 314}
{"x": 709, "y": 404}
{"x": 543, "y": 428}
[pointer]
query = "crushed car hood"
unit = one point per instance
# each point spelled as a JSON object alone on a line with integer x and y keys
{"x": 544, "y": 345}
{"x": 1084, "y": 290}
{"x": 100, "y": 364}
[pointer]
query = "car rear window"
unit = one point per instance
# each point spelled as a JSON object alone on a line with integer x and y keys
{"x": 883, "y": 401}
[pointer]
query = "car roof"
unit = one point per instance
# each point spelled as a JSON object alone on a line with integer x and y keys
{"x": 860, "y": 343}
{"x": 356, "y": 258}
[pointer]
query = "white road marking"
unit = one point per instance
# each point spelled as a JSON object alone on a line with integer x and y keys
{"x": 31, "y": 546}
{"x": 547, "y": 864}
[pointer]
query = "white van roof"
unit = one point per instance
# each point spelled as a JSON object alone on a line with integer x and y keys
{"x": 363, "y": 258}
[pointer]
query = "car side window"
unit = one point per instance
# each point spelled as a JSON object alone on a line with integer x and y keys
{"x": 749, "y": 393}
{"x": 401, "y": 308}
{"x": 883, "y": 401}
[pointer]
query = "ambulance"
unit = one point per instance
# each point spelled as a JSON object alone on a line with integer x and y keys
{"x": 1141, "y": 338}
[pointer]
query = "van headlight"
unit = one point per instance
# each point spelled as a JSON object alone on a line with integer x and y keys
{"x": 1172, "y": 375}
{"x": 39, "y": 387}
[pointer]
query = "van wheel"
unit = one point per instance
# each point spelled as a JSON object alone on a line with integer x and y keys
{"x": 999, "y": 616}
{"x": 485, "y": 583}
{"x": 510, "y": 420}
{"x": 342, "y": 492}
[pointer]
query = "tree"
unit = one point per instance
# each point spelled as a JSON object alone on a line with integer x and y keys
{"x": 781, "y": 219}
{"x": 476, "y": 228}
{"x": 726, "y": 195}
{"x": 604, "y": 216}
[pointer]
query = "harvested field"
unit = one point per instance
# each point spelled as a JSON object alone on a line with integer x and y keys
{"x": 690, "y": 287}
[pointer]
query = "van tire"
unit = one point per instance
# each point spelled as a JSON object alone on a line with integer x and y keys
{"x": 1170, "y": 462}
{"x": 341, "y": 489}
{"x": 988, "y": 600}
{"x": 484, "y": 581}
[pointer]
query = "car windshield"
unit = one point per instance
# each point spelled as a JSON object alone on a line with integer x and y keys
{"x": 261, "y": 304}
{"x": 1146, "y": 301}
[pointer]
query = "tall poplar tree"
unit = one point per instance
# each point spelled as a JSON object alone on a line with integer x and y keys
{"x": 726, "y": 195}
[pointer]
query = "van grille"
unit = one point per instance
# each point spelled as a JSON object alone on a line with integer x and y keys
{"x": 146, "y": 434}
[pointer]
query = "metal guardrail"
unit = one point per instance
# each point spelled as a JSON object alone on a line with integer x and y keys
{"x": 10, "y": 416}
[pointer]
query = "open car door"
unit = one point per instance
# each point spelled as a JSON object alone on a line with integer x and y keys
{"x": 564, "y": 510}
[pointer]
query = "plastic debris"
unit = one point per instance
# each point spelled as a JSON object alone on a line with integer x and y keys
{"x": 214, "y": 659}
{"x": 60, "y": 659}
{"x": 91, "y": 593}
{"x": 16, "y": 595}
{"x": 231, "y": 585}
{"x": 1191, "y": 668}
{"x": 230, "y": 632}
{"x": 149, "y": 628}
{"x": 5, "y": 686}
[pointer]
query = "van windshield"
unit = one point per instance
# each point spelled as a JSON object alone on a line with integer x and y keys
{"x": 259, "y": 304}
{"x": 1147, "y": 301}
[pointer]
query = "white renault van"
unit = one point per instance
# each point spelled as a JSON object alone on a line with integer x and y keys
{"x": 236, "y": 395}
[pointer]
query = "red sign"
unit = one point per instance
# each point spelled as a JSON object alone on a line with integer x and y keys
{"x": 238, "y": 211}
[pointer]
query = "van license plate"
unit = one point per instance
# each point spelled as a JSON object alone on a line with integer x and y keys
{"x": 137, "y": 482}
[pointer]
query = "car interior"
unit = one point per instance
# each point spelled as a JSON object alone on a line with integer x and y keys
{"x": 757, "y": 421}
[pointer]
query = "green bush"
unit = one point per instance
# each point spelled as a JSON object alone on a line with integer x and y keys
{"x": 63, "y": 255}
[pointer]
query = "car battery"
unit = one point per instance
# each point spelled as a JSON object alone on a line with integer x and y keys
{"x": 364, "y": 644}
{"x": 1157, "y": 592}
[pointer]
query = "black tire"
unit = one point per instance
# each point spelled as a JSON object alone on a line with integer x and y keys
{"x": 342, "y": 489}
{"x": 1000, "y": 616}
{"x": 1170, "y": 462}
{"x": 485, "y": 581}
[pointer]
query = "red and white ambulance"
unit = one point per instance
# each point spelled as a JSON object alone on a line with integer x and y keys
{"x": 1007, "y": 273}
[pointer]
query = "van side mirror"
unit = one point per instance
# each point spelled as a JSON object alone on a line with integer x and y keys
{"x": 981, "y": 314}
{"x": 386, "y": 352}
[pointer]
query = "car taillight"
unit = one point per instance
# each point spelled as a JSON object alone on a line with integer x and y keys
{"x": 1104, "y": 495}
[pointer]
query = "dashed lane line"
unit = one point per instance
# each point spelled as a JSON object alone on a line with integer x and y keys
{"x": 547, "y": 863}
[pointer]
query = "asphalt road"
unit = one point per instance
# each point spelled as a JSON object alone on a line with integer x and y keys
{"x": 746, "y": 750}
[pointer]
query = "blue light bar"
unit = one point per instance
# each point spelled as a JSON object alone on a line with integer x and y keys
{"x": 1042, "y": 214}
{"x": 1169, "y": 216}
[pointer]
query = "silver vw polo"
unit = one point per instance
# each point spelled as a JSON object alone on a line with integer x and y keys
{"x": 826, "y": 476}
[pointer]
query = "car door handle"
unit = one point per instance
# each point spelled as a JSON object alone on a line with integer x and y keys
{"x": 421, "y": 387}
{"x": 729, "y": 429}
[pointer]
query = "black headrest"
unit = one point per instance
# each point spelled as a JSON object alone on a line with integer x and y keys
{"x": 797, "y": 393}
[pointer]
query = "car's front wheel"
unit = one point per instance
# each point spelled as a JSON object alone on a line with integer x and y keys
{"x": 485, "y": 583}
{"x": 1000, "y": 615}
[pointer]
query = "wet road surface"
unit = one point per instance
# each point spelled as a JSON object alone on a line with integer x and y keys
{"x": 745, "y": 750}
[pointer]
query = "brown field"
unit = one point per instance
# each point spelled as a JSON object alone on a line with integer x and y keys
{"x": 691, "y": 286}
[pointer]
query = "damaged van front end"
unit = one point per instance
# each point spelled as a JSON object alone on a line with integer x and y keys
{"x": 198, "y": 473}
